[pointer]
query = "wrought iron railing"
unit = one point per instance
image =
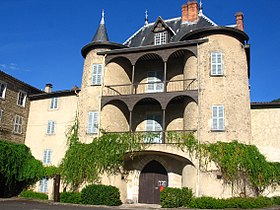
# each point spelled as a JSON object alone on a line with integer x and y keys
{"x": 160, "y": 137}
{"x": 151, "y": 87}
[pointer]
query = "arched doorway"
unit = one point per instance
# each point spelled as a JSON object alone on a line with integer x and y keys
{"x": 152, "y": 177}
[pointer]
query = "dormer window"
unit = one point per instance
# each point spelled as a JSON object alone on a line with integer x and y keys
{"x": 160, "y": 38}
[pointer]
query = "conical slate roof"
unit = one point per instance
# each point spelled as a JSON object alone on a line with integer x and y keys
{"x": 101, "y": 34}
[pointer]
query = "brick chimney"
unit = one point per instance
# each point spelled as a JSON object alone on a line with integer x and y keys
{"x": 239, "y": 21}
{"x": 48, "y": 88}
{"x": 190, "y": 11}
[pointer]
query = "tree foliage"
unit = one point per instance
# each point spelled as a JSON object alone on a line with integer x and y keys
{"x": 276, "y": 100}
{"x": 18, "y": 168}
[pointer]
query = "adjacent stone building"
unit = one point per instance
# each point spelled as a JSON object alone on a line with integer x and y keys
{"x": 14, "y": 107}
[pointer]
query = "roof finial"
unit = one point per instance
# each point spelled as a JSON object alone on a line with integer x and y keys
{"x": 146, "y": 18}
{"x": 200, "y": 7}
{"x": 103, "y": 18}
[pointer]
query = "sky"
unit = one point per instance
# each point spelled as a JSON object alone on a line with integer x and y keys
{"x": 41, "y": 40}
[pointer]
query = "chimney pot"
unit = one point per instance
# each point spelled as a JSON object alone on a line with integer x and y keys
{"x": 48, "y": 88}
{"x": 239, "y": 17}
{"x": 190, "y": 11}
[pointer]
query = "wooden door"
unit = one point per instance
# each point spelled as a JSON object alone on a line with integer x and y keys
{"x": 152, "y": 176}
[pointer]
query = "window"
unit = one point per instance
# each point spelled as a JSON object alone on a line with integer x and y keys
{"x": 1, "y": 115}
{"x": 3, "y": 88}
{"x": 92, "y": 122}
{"x": 21, "y": 98}
{"x": 154, "y": 80}
{"x": 216, "y": 63}
{"x": 218, "y": 118}
{"x": 53, "y": 104}
{"x": 153, "y": 123}
{"x": 47, "y": 156}
{"x": 43, "y": 185}
{"x": 96, "y": 74}
{"x": 18, "y": 124}
{"x": 160, "y": 38}
{"x": 50, "y": 128}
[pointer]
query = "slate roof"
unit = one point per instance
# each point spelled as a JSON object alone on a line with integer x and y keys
{"x": 265, "y": 105}
{"x": 101, "y": 34}
{"x": 144, "y": 36}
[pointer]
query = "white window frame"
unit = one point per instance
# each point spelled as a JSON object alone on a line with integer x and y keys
{"x": 43, "y": 185}
{"x": 21, "y": 100}
{"x": 154, "y": 125}
{"x": 51, "y": 127}
{"x": 96, "y": 74}
{"x": 154, "y": 82}
{"x": 18, "y": 121}
{"x": 54, "y": 103}
{"x": 47, "y": 156}
{"x": 217, "y": 67}
{"x": 160, "y": 38}
{"x": 92, "y": 126}
{"x": 218, "y": 118}
{"x": 4, "y": 86}
{"x": 1, "y": 115}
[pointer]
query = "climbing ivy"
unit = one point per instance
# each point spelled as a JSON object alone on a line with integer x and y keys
{"x": 237, "y": 162}
{"x": 86, "y": 162}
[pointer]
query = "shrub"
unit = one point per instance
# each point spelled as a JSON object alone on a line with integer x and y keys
{"x": 101, "y": 195}
{"x": 34, "y": 195}
{"x": 171, "y": 198}
{"x": 186, "y": 196}
{"x": 276, "y": 200}
{"x": 70, "y": 197}
{"x": 243, "y": 203}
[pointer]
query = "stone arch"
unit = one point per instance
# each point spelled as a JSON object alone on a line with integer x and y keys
{"x": 120, "y": 121}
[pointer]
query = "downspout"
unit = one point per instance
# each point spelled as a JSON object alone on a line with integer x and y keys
{"x": 198, "y": 124}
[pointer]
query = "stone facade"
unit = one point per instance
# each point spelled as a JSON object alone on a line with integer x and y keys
{"x": 11, "y": 108}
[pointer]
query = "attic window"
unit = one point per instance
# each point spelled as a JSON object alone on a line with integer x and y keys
{"x": 160, "y": 38}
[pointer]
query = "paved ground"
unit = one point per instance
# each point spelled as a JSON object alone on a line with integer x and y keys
{"x": 24, "y": 204}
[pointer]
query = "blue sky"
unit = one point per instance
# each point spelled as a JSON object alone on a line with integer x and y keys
{"x": 40, "y": 40}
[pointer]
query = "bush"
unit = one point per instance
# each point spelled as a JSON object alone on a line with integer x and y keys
{"x": 243, "y": 203}
{"x": 101, "y": 195}
{"x": 34, "y": 195}
{"x": 276, "y": 200}
{"x": 70, "y": 197}
{"x": 171, "y": 198}
{"x": 186, "y": 196}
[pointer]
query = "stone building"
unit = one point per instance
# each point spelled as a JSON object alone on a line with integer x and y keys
{"x": 180, "y": 75}
{"x": 14, "y": 107}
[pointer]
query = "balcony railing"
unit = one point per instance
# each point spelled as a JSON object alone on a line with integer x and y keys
{"x": 151, "y": 87}
{"x": 160, "y": 137}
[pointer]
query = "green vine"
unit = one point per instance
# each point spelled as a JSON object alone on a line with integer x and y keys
{"x": 238, "y": 163}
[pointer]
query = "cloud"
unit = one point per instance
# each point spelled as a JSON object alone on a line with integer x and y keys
{"x": 13, "y": 67}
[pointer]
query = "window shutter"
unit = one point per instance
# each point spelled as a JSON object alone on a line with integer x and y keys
{"x": 47, "y": 156}
{"x": 221, "y": 118}
{"x": 216, "y": 63}
{"x": 92, "y": 122}
{"x": 214, "y": 117}
{"x": 97, "y": 74}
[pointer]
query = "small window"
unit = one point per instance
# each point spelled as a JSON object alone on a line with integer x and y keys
{"x": 53, "y": 104}
{"x": 218, "y": 118}
{"x": 1, "y": 115}
{"x": 21, "y": 98}
{"x": 154, "y": 82}
{"x": 47, "y": 156}
{"x": 92, "y": 122}
{"x": 51, "y": 127}
{"x": 216, "y": 63}
{"x": 3, "y": 89}
{"x": 160, "y": 38}
{"x": 96, "y": 74}
{"x": 43, "y": 186}
{"x": 17, "y": 124}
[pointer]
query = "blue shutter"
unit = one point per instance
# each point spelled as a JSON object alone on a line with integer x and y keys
{"x": 47, "y": 156}
{"x": 92, "y": 122}
{"x": 218, "y": 119}
{"x": 97, "y": 74}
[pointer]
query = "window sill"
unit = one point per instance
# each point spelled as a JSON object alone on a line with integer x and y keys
{"x": 217, "y": 75}
{"x": 95, "y": 85}
{"x": 91, "y": 133}
{"x": 218, "y": 131}
{"x": 21, "y": 106}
